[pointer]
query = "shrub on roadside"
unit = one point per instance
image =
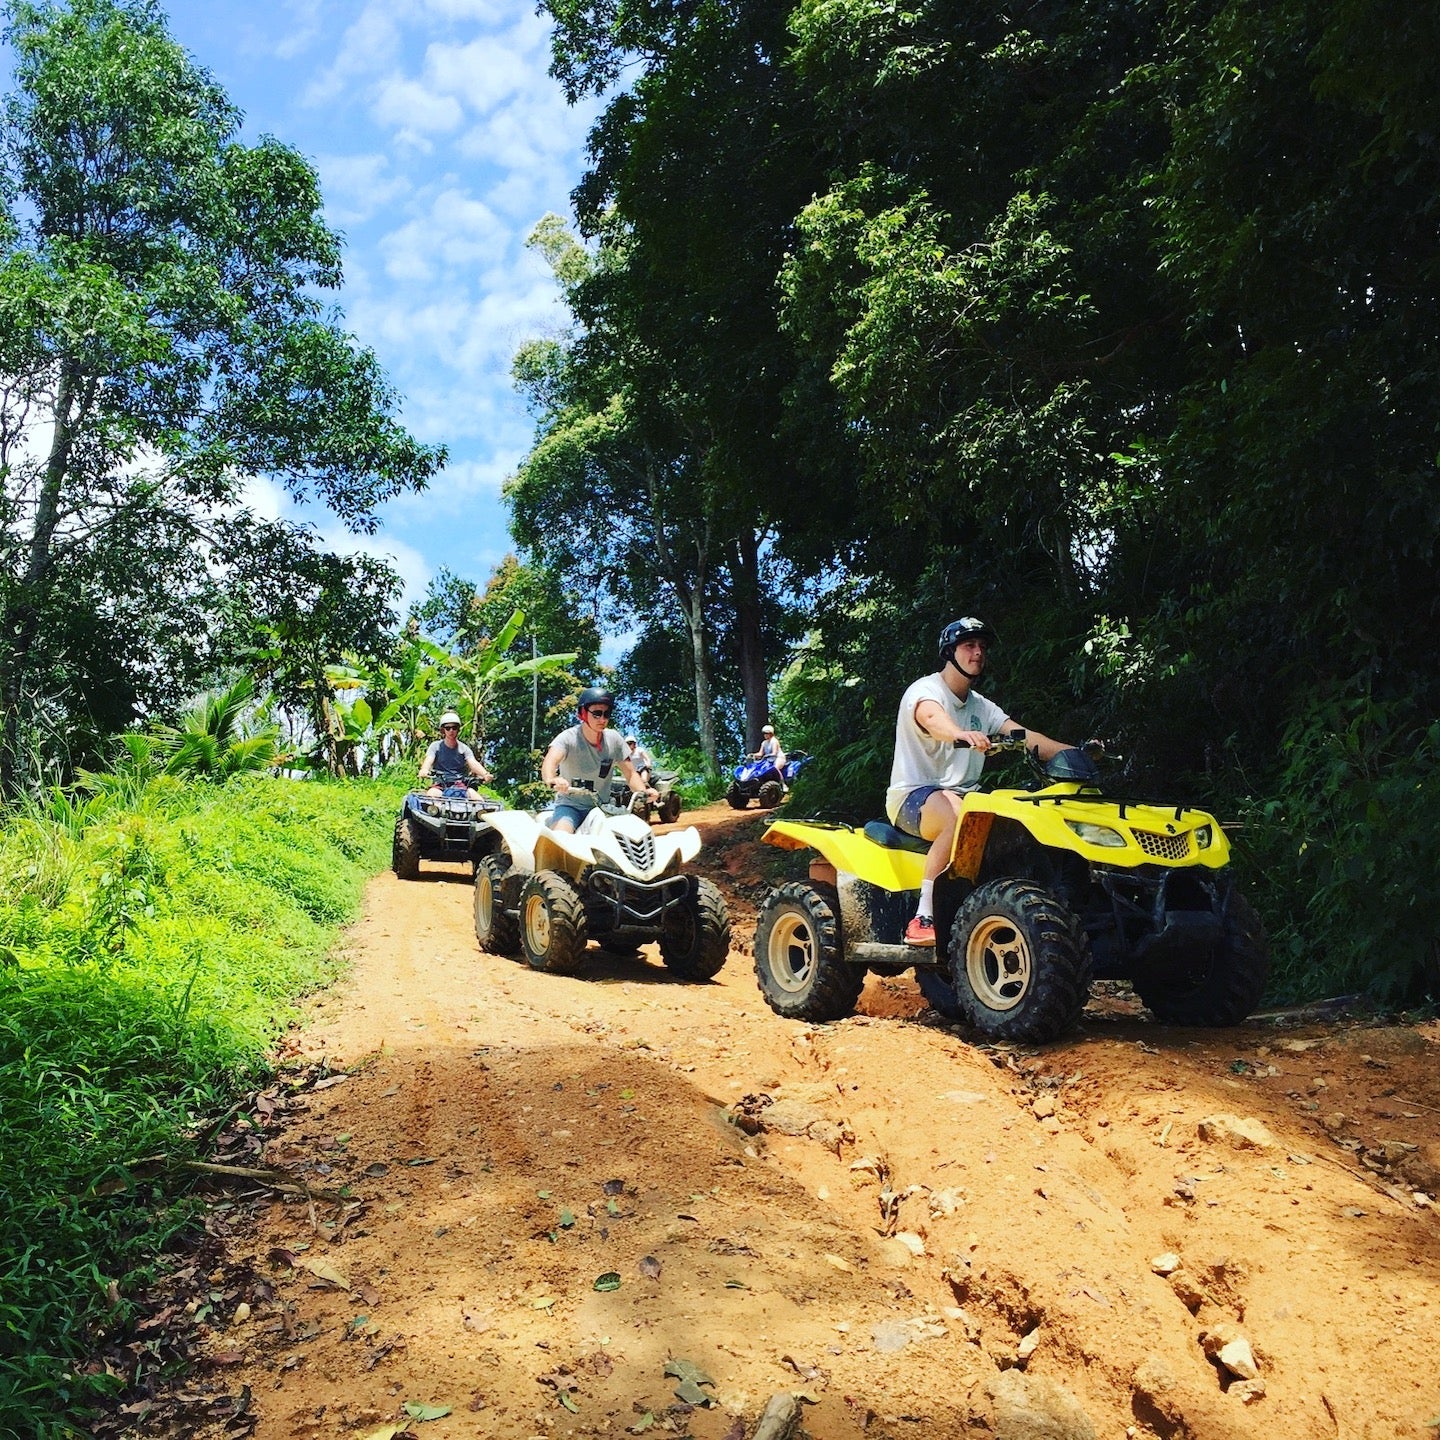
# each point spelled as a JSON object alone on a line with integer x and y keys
{"x": 151, "y": 944}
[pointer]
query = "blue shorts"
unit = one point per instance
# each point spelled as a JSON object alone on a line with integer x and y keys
{"x": 908, "y": 817}
{"x": 566, "y": 809}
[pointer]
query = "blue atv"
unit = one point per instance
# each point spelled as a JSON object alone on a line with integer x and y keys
{"x": 448, "y": 826}
{"x": 761, "y": 780}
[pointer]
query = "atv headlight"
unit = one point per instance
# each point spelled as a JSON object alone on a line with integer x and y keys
{"x": 430, "y": 807}
{"x": 1097, "y": 834}
{"x": 1204, "y": 838}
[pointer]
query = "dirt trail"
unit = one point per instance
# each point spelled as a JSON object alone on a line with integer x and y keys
{"x": 953, "y": 1240}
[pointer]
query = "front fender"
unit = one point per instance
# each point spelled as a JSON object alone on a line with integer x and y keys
{"x": 519, "y": 830}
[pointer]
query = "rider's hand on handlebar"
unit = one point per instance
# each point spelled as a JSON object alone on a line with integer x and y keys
{"x": 972, "y": 739}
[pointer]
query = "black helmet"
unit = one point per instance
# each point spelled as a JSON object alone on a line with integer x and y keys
{"x": 967, "y": 627}
{"x": 594, "y": 695}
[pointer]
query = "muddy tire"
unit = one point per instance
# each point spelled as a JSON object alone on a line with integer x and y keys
{"x": 772, "y": 792}
{"x": 939, "y": 993}
{"x": 1020, "y": 963}
{"x": 798, "y": 959}
{"x": 495, "y": 929}
{"x": 735, "y": 797}
{"x": 695, "y": 943}
{"x": 1219, "y": 985}
{"x": 669, "y": 808}
{"x": 405, "y": 852}
{"x": 552, "y": 923}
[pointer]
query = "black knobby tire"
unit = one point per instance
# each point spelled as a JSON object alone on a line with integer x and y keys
{"x": 495, "y": 928}
{"x": 695, "y": 943}
{"x": 798, "y": 958}
{"x": 772, "y": 792}
{"x": 939, "y": 993}
{"x": 1220, "y": 985}
{"x": 669, "y": 809}
{"x": 552, "y": 923}
{"x": 1020, "y": 962}
{"x": 405, "y": 852}
{"x": 735, "y": 797}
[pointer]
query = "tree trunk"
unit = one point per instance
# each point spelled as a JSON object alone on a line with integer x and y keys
{"x": 691, "y": 597}
{"x": 22, "y": 623}
{"x": 693, "y": 604}
{"x": 745, "y": 576}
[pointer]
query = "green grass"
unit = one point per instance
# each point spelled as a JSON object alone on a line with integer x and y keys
{"x": 150, "y": 949}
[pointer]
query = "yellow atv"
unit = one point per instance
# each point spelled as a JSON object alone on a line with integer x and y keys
{"x": 1047, "y": 888}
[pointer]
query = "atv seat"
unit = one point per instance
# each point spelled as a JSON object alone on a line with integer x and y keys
{"x": 885, "y": 834}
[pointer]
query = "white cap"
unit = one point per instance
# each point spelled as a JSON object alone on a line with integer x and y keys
{"x": 767, "y": 729}
{"x": 630, "y": 740}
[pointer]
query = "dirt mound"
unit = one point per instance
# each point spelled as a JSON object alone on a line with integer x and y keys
{"x": 615, "y": 1203}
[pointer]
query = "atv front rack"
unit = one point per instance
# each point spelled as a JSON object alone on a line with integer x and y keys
{"x": 630, "y": 902}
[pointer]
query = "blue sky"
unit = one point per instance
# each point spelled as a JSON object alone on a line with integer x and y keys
{"x": 440, "y": 140}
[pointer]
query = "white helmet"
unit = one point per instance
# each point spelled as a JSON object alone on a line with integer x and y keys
{"x": 631, "y": 740}
{"x": 449, "y": 718}
{"x": 767, "y": 729}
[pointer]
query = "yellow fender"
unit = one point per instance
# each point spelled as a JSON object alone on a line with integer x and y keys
{"x": 852, "y": 851}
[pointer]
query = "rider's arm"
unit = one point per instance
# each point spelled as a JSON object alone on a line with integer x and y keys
{"x": 633, "y": 778}
{"x": 478, "y": 770}
{"x": 425, "y": 763}
{"x": 550, "y": 770}
{"x": 930, "y": 716}
{"x": 1043, "y": 745}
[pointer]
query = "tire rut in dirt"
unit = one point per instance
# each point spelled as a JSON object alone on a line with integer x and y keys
{"x": 1020, "y": 963}
{"x": 698, "y": 944}
{"x": 552, "y": 923}
{"x": 798, "y": 957}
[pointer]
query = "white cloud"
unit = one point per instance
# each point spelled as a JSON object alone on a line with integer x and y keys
{"x": 490, "y": 12}
{"x": 416, "y": 108}
{"x": 357, "y": 186}
{"x": 458, "y": 232}
{"x": 482, "y": 73}
{"x": 307, "y": 27}
{"x": 371, "y": 46}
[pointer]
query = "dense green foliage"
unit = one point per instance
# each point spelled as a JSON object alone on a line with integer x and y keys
{"x": 1117, "y": 324}
{"x": 152, "y": 939}
{"x": 162, "y": 340}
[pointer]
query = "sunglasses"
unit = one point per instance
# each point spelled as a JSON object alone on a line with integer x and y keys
{"x": 595, "y": 714}
{"x": 455, "y": 728}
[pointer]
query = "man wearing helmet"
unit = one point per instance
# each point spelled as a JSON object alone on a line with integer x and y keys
{"x": 582, "y": 760}
{"x": 769, "y": 748}
{"x": 941, "y": 735}
{"x": 449, "y": 760}
{"x": 640, "y": 757}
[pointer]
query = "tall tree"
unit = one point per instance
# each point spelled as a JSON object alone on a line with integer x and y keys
{"x": 160, "y": 338}
{"x": 697, "y": 170}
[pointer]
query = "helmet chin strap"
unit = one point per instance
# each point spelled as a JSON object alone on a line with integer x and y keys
{"x": 951, "y": 660}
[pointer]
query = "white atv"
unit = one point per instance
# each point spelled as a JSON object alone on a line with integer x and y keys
{"x": 547, "y": 893}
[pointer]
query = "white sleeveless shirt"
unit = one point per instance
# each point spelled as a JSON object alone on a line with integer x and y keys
{"x": 921, "y": 759}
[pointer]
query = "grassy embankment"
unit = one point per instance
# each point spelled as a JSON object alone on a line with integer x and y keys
{"x": 151, "y": 944}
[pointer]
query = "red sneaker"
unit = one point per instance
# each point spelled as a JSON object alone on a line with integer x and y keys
{"x": 920, "y": 931}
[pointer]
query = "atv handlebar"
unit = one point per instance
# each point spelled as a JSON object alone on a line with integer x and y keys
{"x": 1015, "y": 741}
